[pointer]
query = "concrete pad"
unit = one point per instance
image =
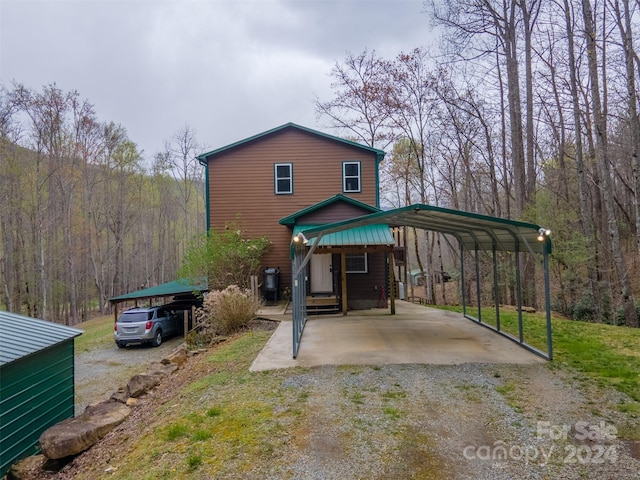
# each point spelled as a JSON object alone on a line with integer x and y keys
{"x": 416, "y": 334}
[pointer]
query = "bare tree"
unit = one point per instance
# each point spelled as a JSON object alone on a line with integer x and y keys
{"x": 358, "y": 86}
{"x": 179, "y": 157}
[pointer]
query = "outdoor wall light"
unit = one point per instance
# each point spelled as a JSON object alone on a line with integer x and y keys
{"x": 542, "y": 233}
{"x": 300, "y": 238}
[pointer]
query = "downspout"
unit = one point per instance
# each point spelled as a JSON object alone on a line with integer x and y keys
{"x": 379, "y": 158}
{"x": 205, "y": 164}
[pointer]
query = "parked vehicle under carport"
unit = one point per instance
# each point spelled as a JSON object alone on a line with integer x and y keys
{"x": 146, "y": 325}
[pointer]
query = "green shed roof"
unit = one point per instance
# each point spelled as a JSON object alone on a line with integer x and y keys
{"x": 375, "y": 234}
{"x": 21, "y": 336}
{"x": 171, "y": 288}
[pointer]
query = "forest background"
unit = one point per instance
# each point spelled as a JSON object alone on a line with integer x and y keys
{"x": 527, "y": 110}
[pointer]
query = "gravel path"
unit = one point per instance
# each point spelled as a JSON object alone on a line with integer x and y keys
{"x": 101, "y": 371}
{"x": 471, "y": 421}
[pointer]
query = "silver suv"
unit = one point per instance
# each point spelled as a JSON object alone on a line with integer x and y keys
{"x": 145, "y": 325}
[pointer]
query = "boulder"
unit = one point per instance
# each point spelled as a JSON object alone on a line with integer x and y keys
{"x": 76, "y": 435}
{"x": 179, "y": 357}
{"x": 141, "y": 384}
{"x": 121, "y": 395}
{"x": 161, "y": 369}
{"x": 25, "y": 467}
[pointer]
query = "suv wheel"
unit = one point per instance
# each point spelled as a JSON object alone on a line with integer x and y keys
{"x": 157, "y": 339}
{"x": 121, "y": 345}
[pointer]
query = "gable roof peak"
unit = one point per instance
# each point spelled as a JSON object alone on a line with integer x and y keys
{"x": 204, "y": 157}
{"x": 291, "y": 219}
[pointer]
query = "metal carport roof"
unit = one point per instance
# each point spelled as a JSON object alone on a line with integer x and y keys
{"x": 183, "y": 288}
{"x": 472, "y": 229}
{"x": 170, "y": 288}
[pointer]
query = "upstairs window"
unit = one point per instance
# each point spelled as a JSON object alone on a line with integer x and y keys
{"x": 351, "y": 177}
{"x": 356, "y": 262}
{"x": 283, "y": 178}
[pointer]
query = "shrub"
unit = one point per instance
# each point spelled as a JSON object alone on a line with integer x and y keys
{"x": 583, "y": 309}
{"x": 226, "y": 311}
{"x": 224, "y": 258}
{"x": 619, "y": 317}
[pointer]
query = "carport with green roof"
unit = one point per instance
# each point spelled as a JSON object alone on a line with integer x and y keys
{"x": 182, "y": 292}
{"x": 474, "y": 233}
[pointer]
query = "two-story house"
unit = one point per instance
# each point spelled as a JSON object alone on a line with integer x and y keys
{"x": 281, "y": 181}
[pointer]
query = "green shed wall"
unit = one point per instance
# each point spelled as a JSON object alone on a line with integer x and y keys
{"x": 36, "y": 392}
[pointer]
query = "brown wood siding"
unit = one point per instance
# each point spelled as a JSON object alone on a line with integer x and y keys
{"x": 241, "y": 186}
{"x": 332, "y": 213}
{"x": 363, "y": 289}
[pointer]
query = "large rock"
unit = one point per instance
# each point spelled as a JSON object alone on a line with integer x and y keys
{"x": 141, "y": 384}
{"x": 121, "y": 395}
{"x": 75, "y": 435}
{"x": 179, "y": 357}
{"x": 26, "y": 467}
{"x": 161, "y": 369}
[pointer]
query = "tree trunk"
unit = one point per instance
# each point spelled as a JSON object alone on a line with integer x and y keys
{"x": 583, "y": 188}
{"x": 601, "y": 150}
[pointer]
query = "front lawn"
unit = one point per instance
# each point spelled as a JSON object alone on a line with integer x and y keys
{"x": 607, "y": 354}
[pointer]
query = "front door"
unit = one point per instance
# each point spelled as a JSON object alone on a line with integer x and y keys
{"x": 321, "y": 276}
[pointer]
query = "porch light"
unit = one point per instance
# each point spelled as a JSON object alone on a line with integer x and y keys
{"x": 542, "y": 233}
{"x": 300, "y": 238}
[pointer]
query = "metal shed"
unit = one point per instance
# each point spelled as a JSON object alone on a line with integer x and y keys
{"x": 36, "y": 382}
{"x": 474, "y": 232}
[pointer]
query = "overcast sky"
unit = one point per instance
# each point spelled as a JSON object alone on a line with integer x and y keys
{"x": 229, "y": 69}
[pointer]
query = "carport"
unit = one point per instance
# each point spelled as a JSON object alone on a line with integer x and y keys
{"x": 475, "y": 234}
{"x": 183, "y": 294}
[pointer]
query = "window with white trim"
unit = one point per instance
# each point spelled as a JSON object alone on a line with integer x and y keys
{"x": 356, "y": 262}
{"x": 351, "y": 177}
{"x": 283, "y": 178}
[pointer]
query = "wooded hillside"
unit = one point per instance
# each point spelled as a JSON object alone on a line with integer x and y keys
{"x": 83, "y": 218}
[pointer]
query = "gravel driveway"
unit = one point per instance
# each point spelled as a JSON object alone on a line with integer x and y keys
{"x": 101, "y": 371}
{"x": 470, "y": 421}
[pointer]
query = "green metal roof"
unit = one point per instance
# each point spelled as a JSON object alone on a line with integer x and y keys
{"x": 471, "y": 229}
{"x": 21, "y": 336}
{"x": 291, "y": 219}
{"x": 202, "y": 158}
{"x": 374, "y": 234}
{"x": 171, "y": 288}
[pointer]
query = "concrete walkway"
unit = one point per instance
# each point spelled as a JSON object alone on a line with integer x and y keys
{"x": 416, "y": 334}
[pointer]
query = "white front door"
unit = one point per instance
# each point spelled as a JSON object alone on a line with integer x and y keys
{"x": 321, "y": 276}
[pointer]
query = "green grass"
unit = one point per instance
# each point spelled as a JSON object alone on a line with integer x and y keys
{"x": 225, "y": 420}
{"x": 193, "y": 462}
{"x": 392, "y": 412}
{"x": 607, "y": 354}
{"x": 96, "y": 332}
{"x": 214, "y": 412}
{"x": 176, "y": 431}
